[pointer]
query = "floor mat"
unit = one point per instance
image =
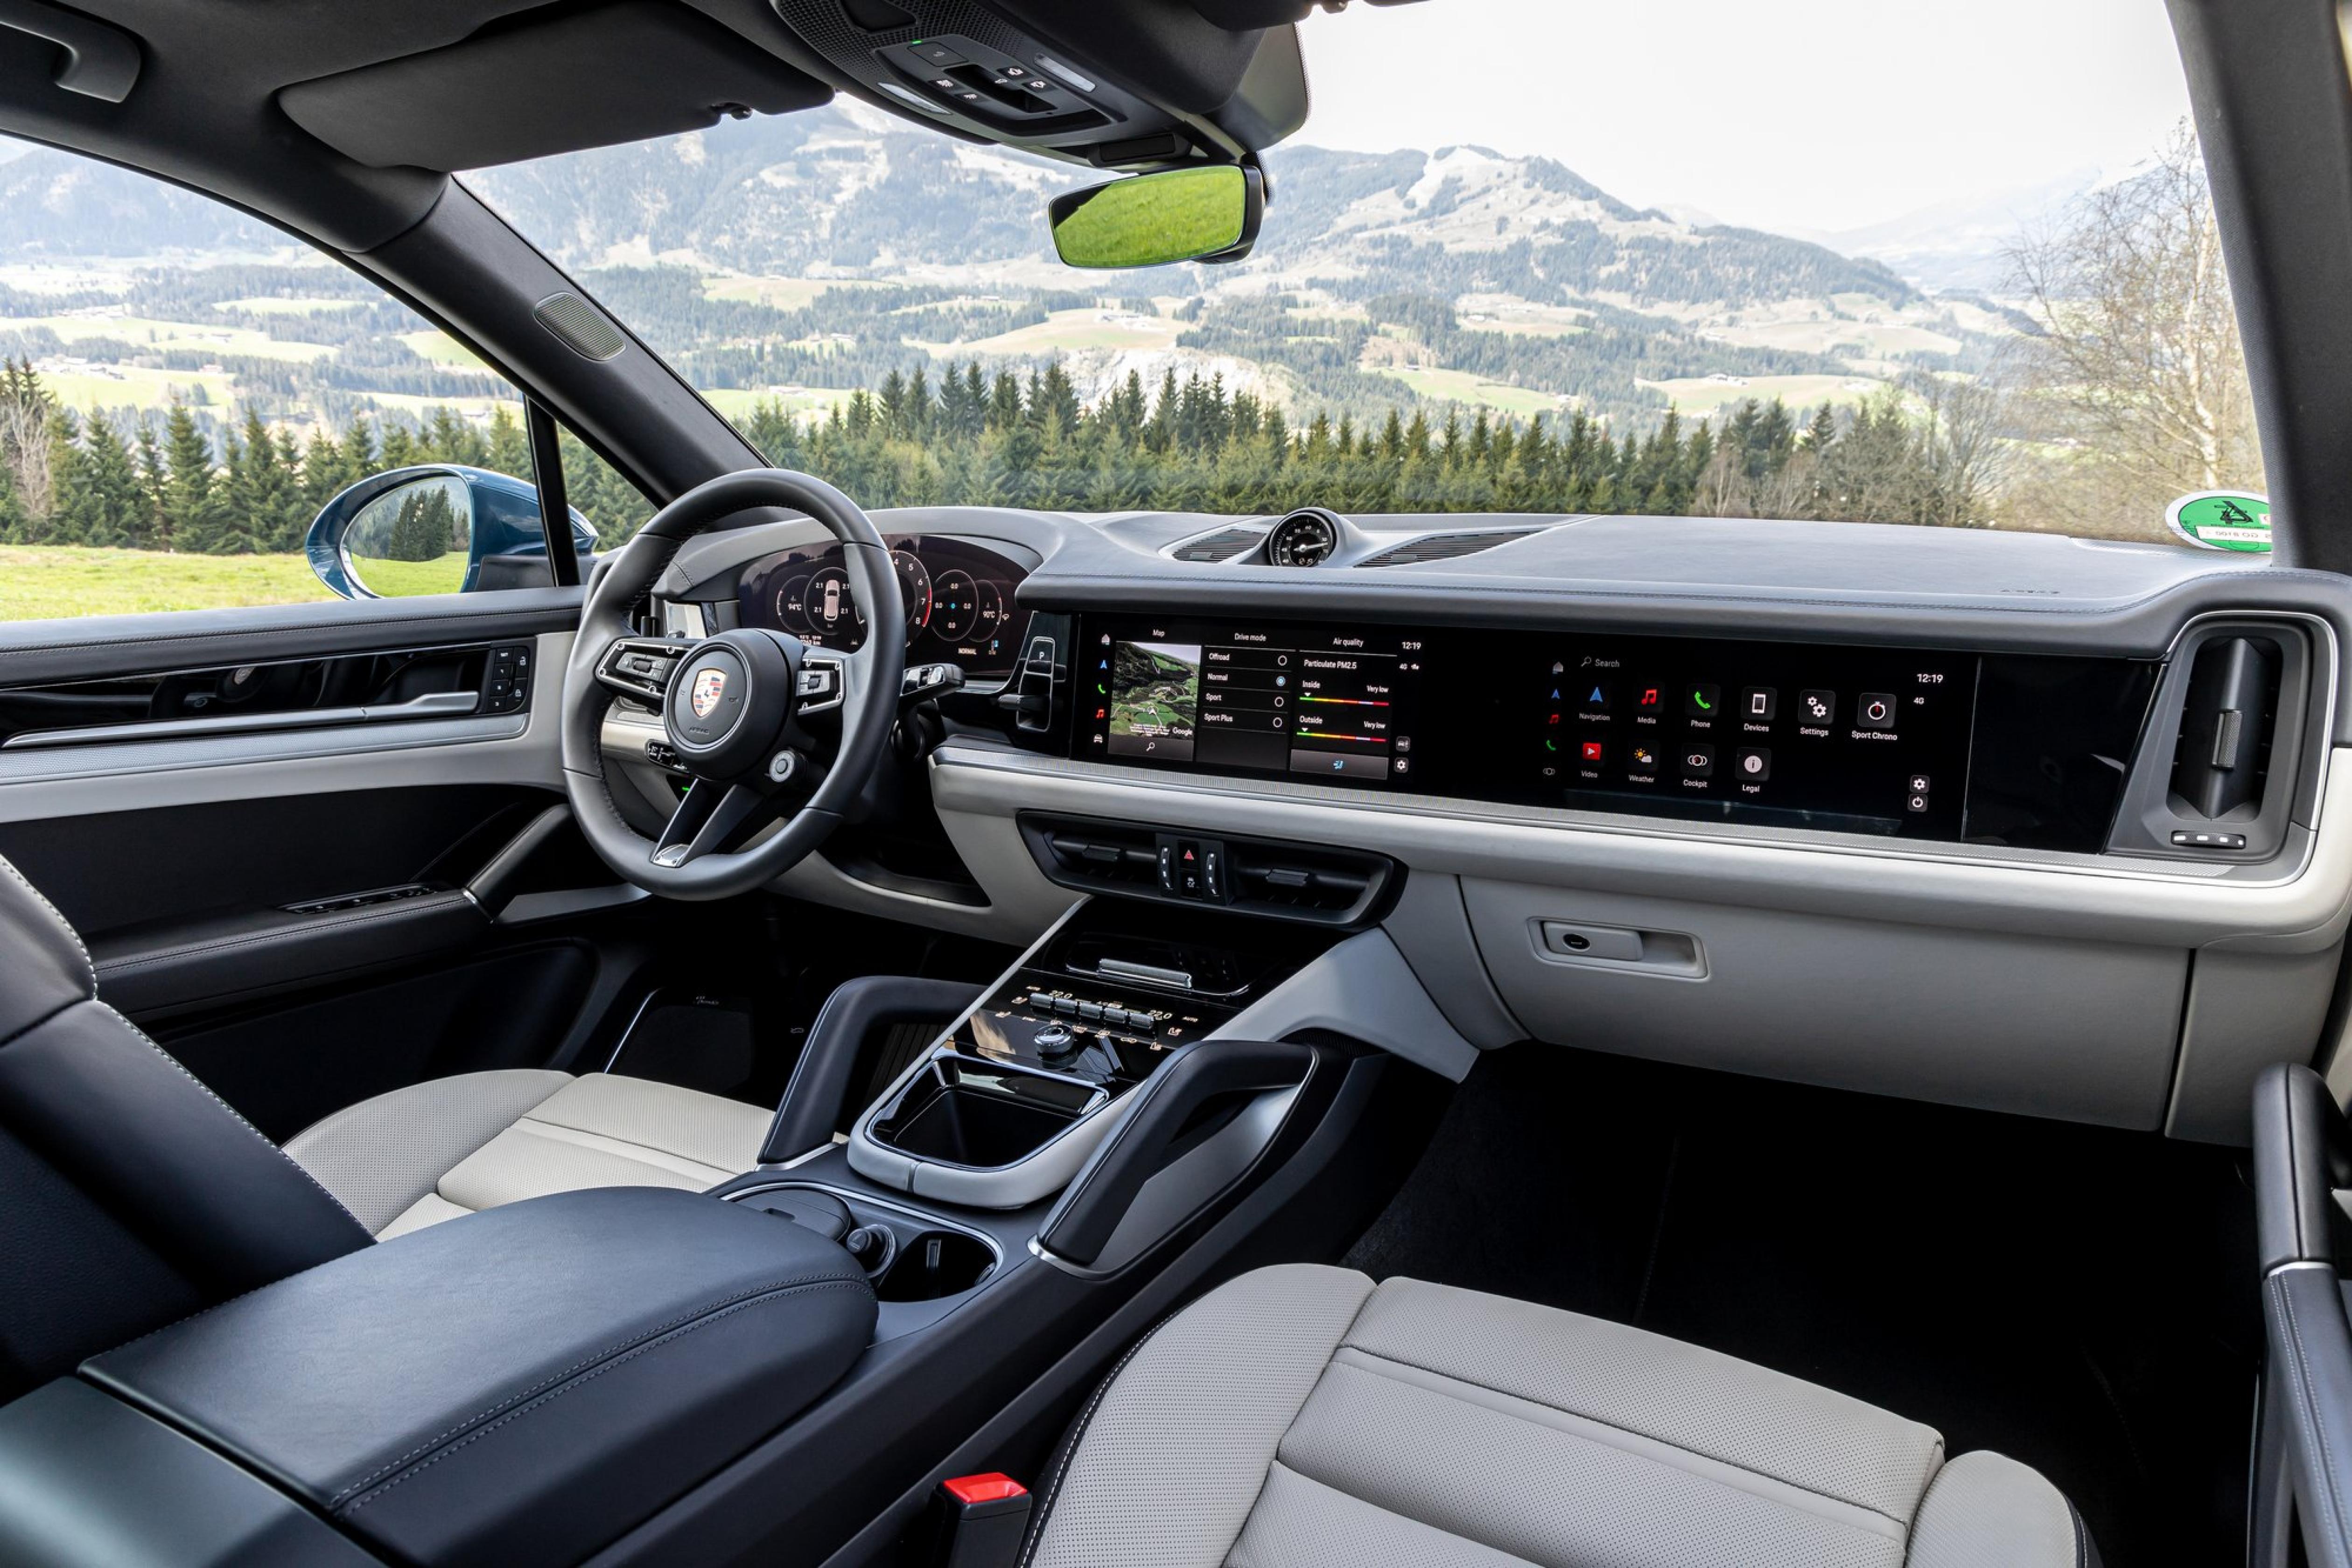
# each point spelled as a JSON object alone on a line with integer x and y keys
{"x": 2080, "y": 1298}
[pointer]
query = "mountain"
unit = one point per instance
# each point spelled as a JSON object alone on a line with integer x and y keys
{"x": 1962, "y": 244}
{"x": 1461, "y": 274}
{"x": 846, "y": 192}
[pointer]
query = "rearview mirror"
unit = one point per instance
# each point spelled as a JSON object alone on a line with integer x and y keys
{"x": 1151, "y": 220}
{"x": 438, "y": 528}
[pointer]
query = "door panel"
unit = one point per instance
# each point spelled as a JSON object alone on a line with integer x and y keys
{"x": 284, "y": 1065}
{"x": 141, "y": 877}
{"x": 288, "y": 908}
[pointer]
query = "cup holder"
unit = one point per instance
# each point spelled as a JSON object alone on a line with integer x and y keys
{"x": 933, "y": 1264}
{"x": 980, "y": 1115}
{"x": 922, "y": 1260}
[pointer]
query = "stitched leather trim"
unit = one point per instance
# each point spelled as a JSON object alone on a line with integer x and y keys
{"x": 1078, "y": 1437}
{"x": 90, "y": 968}
{"x": 2327, "y": 1506}
{"x": 177, "y": 1066}
{"x": 542, "y": 1394}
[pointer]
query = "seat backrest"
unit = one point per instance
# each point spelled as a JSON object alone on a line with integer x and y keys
{"x": 130, "y": 1194}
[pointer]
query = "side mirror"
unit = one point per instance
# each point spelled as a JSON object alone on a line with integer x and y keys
{"x": 1151, "y": 220}
{"x": 438, "y": 528}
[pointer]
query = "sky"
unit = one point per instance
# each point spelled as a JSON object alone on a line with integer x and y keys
{"x": 1793, "y": 115}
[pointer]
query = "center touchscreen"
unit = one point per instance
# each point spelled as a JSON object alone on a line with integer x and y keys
{"x": 1318, "y": 703}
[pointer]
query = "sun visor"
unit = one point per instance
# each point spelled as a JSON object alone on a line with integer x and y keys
{"x": 586, "y": 79}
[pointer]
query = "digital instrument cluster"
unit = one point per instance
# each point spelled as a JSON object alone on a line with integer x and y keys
{"x": 958, "y": 598}
{"x": 1842, "y": 739}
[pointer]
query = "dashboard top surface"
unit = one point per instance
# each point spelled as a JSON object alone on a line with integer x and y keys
{"x": 1690, "y": 576}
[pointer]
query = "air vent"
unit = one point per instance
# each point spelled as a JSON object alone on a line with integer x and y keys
{"x": 580, "y": 326}
{"x": 2226, "y": 726}
{"x": 2230, "y": 745}
{"x": 1225, "y": 544}
{"x": 1286, "y": 881}
{"x": 1443, "y": 547}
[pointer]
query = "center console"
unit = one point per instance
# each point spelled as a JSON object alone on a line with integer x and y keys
{"x": 1007, "y": 1106}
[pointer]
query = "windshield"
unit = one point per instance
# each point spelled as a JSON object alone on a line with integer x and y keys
{"x": 1841, "y": 261}
{"x": 1864, "y": 262}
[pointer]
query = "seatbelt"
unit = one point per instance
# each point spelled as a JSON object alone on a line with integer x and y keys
{"x": 977, "y": 1522}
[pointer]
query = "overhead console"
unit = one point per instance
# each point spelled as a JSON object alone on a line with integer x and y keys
{"x": 2197, "y": 756}
{"x": 1114, "y": 87}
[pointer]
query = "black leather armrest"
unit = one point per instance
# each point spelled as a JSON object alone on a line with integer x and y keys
{"x": 519, "y": 1386}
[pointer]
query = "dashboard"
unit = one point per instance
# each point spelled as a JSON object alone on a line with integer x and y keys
{"x": 2025, "y": 822}
{"x": 958, "y": 596}
{"x": 1895, "y": 742}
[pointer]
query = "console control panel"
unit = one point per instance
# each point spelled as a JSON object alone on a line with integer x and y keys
{"x": 1124, "y": 983}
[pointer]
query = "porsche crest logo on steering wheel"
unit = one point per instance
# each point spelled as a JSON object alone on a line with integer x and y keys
{"x": 710, "y": 685}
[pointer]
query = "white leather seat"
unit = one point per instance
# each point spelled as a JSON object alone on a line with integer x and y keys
{"x": 1303, "y": 1417}
{"x": 432, "y": 1152}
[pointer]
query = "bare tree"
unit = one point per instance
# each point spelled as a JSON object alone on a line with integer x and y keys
{"x": 1964, "y": 455}
{"x": 25, "y": 409}
{"x": 2138, "y": 384}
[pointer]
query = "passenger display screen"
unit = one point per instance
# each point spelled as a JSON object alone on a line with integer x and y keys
{"x": 1318, "y": 703}
{"x": 1857, "y": 739}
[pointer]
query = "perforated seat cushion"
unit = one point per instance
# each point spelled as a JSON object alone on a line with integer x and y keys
{"x": 433, "y": 1150}
{"x": 1301, "y": 1417}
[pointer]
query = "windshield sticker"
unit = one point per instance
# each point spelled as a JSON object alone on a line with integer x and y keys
{"x": 2222, "y": 519}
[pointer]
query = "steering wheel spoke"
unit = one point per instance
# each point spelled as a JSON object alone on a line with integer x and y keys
{"x": 709, "y": 817}
{"x": 640, "y": 667}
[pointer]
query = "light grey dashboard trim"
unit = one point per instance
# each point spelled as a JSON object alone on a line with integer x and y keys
{"x": 2105, "y": 897}
{"x": 516, "y": 748}
{"x": 432, "y": 705}
{"x": 1362, "y": 988}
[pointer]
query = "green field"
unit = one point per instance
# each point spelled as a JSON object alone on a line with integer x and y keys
{"x": 40, "y": 582}
{"x": 1697, "y": 395}
{"x": 737, "y": 402}
{"x": 442, "y": 349}
{"x": 406, "y": 579}
{"x": 273, "y": 305}
{"x": 784, "y": 293}
{"x": 1069, "y": 331}
{"x": 150, "y": 332}
{"x": 136, "y": 386}
{"x": 1463, "y": 386}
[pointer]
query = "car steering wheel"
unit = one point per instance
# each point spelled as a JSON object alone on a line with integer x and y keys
{"x": 767, "y": 726}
